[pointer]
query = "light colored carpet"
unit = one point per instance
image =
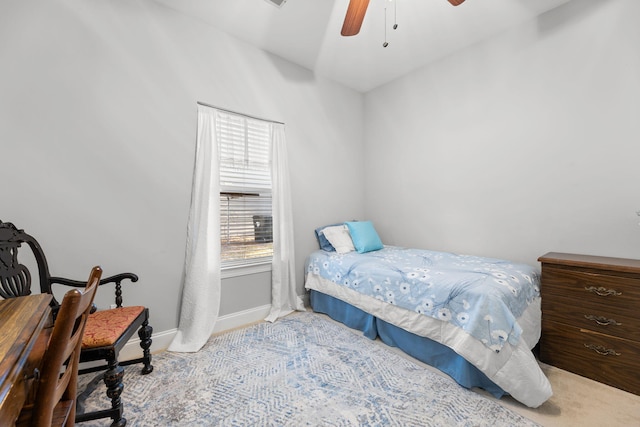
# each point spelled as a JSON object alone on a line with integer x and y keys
{"x": 579, "y": 401}
{"x": 302, "y": 370}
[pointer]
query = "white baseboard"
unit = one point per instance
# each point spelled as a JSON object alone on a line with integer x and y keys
{"x": 161, "y": 340}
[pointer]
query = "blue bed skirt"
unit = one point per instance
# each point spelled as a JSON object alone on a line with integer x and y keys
{"x": 423, "y": 349}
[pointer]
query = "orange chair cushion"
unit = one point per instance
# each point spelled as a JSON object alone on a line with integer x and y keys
{"x": 106, "y": 326}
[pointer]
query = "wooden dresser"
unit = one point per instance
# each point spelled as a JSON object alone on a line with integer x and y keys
{"x": 591, "y": 317}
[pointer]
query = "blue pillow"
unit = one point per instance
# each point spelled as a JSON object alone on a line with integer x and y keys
{"x": 364, "y": 236}
{"x": 322, "y": 240}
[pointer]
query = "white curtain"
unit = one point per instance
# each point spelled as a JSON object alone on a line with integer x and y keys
{"x": 201, "y": 291}
{"x": 284, "y": 298}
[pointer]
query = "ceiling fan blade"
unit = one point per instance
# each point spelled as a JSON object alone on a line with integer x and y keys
{"x": 456, "y": 2}
{"x": 354, "y": 17}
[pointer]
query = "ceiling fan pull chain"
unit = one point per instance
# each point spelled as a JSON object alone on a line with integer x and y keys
{"x": 395, "y": 15}
{"x": 385, "y": 44}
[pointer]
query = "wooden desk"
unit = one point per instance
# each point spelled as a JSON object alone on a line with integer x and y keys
{"x": 22, "y": 345}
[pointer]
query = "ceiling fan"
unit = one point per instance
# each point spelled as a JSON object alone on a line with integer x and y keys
{"x": 355, "y": 16}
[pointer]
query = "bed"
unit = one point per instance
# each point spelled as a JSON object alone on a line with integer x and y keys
{"x": 476, "y": 319}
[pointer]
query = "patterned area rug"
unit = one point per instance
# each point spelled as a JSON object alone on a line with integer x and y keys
{"x": 303, "y": 370}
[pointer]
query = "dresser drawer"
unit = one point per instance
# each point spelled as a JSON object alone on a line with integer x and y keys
{"x": 623, "y": 293}
{"x": 600, "y": 318}
{"x": 603, "y": 358}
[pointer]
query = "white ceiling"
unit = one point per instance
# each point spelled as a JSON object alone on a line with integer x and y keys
{"x": 307, "y": 32}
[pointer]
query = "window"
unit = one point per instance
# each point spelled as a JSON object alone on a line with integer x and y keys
{"x": 246, "y": 233}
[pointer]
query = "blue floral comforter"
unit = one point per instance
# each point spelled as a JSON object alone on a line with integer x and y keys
{"x": 482, "y": 296}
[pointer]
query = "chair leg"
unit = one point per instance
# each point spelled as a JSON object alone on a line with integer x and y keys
{"x": 145, "y": 342}
{"x": 113, "y": 380}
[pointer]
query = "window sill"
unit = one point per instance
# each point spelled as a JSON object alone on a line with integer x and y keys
{"x": 245, "y": 270}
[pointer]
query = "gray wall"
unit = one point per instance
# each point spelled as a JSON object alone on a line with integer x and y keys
{"x": 523, "y": 144}
{"x": 520, "y": 145}
{"x": 97, "y": 129}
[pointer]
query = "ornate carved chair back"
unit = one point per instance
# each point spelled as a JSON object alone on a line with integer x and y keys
{"x": 15, "y": 278}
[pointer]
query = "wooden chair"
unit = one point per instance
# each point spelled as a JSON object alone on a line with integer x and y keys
{"x": 106, "y": 332}
{"x": 56, "y": 388}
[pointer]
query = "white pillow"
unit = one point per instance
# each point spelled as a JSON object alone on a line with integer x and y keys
{"x": 339, "y": 238}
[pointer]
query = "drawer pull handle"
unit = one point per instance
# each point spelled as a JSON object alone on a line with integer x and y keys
{"x": 601, "y": 320}
{"x": 602, "y": 291}
{"x": 601, "y": 350}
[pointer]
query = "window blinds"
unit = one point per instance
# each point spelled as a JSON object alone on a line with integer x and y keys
{"x": 245, "y": 189}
